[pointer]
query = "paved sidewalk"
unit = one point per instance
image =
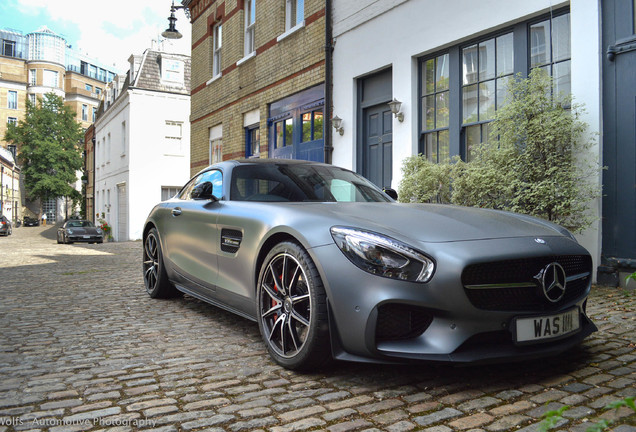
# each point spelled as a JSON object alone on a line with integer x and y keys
{"x": 82, "y": 347}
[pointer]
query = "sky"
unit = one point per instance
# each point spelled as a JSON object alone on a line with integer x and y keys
{"x": 109, "y": 32}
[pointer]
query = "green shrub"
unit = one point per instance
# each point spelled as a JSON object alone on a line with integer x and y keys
{"x": 537, "y": 161}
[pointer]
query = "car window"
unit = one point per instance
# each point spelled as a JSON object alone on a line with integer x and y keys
{"x": 213, "y": 176}
{"x": 301, "y": 183}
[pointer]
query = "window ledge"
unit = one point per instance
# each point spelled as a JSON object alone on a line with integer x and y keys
{"x": 246, "y": 58}
{"x": 291, "y": 31}
{"x": 214, "y": 78}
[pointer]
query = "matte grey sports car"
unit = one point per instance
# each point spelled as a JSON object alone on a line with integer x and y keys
{"x": 331, "y": 267}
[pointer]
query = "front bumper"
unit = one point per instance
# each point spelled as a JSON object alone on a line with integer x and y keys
{"x": 85, "y": 238}
{"x": 446, "y": 326}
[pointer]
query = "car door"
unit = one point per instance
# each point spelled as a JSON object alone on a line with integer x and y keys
{"x": 191, "y": 235}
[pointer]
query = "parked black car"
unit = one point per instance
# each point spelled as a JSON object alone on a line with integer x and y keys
{"x": 75, "y": 230}
{"x": 5, "y": 226}
{"x": 29, "y": 221}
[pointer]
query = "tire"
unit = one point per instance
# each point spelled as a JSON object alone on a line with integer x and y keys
{"x": 154, "y": 273}
{"x": 58, "y": 239}
{"x": 292, "y": 309}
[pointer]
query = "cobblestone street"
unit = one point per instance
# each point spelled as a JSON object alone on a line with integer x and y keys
{"x": 83, "y": 347}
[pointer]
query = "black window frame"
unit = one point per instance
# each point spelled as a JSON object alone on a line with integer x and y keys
{"x": 521, "y": 65}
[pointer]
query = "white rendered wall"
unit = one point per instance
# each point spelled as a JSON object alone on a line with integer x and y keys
{"x": 153, "y": 162}
{"x": 111, "y": 167}
{"x": 391, "y": 33}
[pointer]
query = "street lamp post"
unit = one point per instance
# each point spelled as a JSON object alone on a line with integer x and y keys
{"x": 171, "y": 32}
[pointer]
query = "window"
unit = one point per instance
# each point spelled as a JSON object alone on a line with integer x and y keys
{"x": 173, "y": 137}
{"x": 32, "y": 77}
{"x": 250, "y": 19}
{"x": 50, "y": 78}
{"x": 294, "y": 13}
{"x": 12, "y": 120}
{"x": 487, "y": 67}
{"x": 32, "y": 98}
{"x": 435, "y": 108}
{"x": 213, "y": 176}
{"x": 284, "y": 133}
{"x": 312, "y": 125}
{"x": 94, "y": 114}
{"x": 168, "y": 192}
{"x": 462, "y": 87}
{"x": 8, "y": 48}
{"x": 88, "y": 87}
{"x": 12, "y": 100}
{"x": 216, "y": 50}
{"x": 172, "y": 70}
{"x": 216, "y": 144}
{"x": 550, "y": 50}
{"x": 252, "y": 141}
{"x": 84, "y": 112}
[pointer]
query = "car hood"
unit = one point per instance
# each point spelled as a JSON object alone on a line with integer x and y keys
{"x": 435, "y": 222}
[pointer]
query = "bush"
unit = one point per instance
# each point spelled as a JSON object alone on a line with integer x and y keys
{"x": 536, "y": 161}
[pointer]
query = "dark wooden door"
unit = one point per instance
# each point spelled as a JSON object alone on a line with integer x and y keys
{"x": 378, "y": 145}
{"x": 619, "y": 133}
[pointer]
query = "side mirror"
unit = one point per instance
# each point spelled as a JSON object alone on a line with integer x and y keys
{"x": 203, "y": 191}
{"x": 391, "y": 192}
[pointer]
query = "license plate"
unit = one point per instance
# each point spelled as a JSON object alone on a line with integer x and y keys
{"x": 547, "y": 327}
{"x": 87, "y": 236}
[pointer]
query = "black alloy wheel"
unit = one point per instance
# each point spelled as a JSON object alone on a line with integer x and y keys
{"x": 292, "y": 309}
{"x": 155, "y": 276}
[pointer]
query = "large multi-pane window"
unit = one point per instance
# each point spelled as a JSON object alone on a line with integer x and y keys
{"x": 435, "y": 108}
{"x": 462, "y": 88}
{"x": 250, "y": 24}
{"x": 550, "y": 50}
{"x": 216, "y": 50}
{"x": 486, "y": 68}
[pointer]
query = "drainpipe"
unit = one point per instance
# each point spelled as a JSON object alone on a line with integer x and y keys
{"x": 328, "y": 81}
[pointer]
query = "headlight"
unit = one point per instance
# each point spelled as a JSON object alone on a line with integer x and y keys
{"x": 69, "y": 231}
{"x": 99, "y": 231}
{"x": 383, "y": 256}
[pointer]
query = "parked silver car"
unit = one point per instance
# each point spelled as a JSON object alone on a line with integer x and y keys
{"x": 331, "y": 267}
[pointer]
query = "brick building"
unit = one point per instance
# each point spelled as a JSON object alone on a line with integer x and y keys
{"x": 258, "y": 79}
{"x": 37, "y": 63}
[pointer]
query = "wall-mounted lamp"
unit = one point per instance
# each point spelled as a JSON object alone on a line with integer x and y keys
{"x": 395, "y": 109}
{"x": 171, "y": 32}
{"x": 337, "y": 125}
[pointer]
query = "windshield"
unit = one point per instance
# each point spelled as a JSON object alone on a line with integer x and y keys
{"x": 79, "y": 224}
{"x": 300, "y": 183}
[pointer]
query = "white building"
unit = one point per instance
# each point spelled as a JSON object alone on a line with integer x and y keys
{"x": 142, "y": 141}
{"x": 446, "y": 62}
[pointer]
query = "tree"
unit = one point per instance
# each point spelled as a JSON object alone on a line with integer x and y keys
{"x": 48, "y": 142}
{"x": 537, "y": 160}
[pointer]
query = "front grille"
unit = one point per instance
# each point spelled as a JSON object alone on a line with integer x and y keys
{"x": 399, "y": 321}
{"x": 519, "y": 272}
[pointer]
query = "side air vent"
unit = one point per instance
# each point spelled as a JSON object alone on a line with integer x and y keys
{"x": 231, "y": 240}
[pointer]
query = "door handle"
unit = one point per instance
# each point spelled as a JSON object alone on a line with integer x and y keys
{"x": 176, "y": 211}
